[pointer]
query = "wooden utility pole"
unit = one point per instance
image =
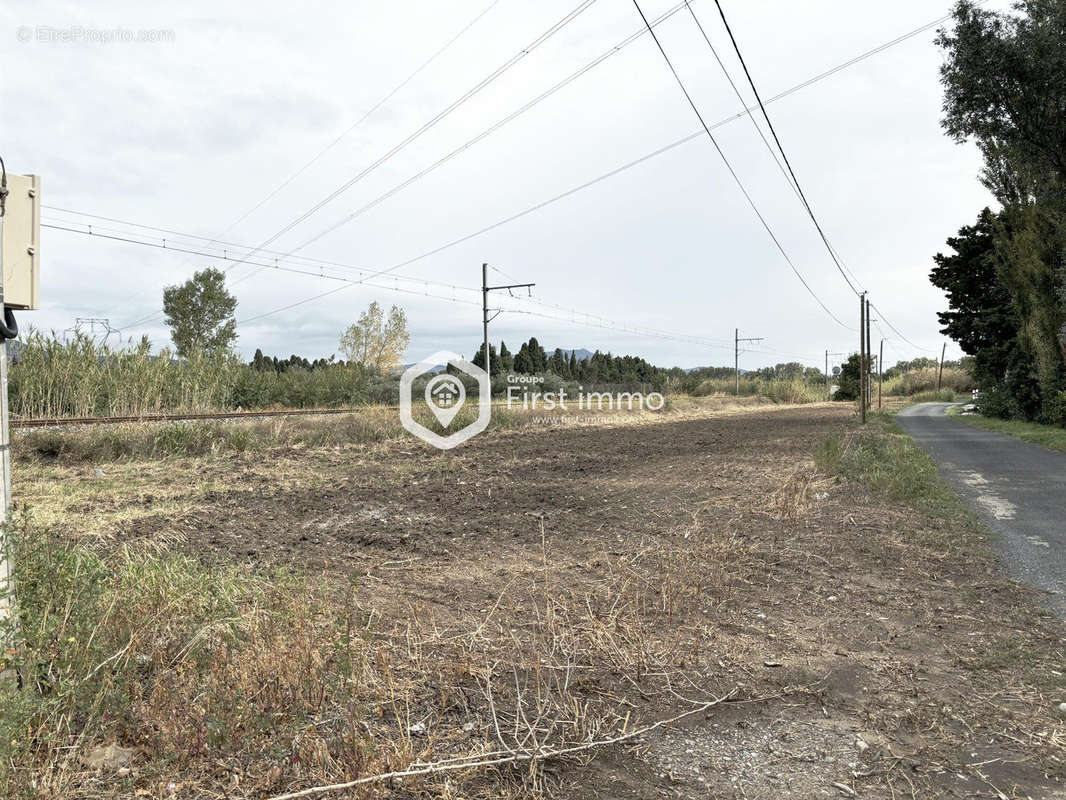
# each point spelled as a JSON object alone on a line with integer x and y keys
{"x": 485, "y": 318}
{"x": 880, "y": 373}
{"x": 862, "y": 356}
{"x": 869, "y": 364}
{"x": 940, "y": 372}
{"x": 736, "y": 353}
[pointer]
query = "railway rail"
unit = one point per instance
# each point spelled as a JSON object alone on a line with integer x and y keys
{"x": 56, "y": 422}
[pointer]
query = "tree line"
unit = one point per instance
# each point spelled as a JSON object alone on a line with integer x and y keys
{"x": 1004, "y": 275}
{"x": 533, "y": 359}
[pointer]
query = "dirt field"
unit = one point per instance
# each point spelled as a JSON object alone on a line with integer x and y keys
{"x": 864, "y": 650}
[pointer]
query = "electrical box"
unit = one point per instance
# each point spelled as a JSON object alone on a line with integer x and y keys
{"x": 22, "y": 242}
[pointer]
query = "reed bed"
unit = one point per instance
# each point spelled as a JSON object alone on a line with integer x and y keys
{"x": 81, "y": 378}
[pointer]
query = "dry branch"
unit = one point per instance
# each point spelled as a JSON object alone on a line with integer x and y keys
{"x": 506, "y": 757}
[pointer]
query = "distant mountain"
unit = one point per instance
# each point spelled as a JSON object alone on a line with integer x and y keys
{"x": 580, "y": 353}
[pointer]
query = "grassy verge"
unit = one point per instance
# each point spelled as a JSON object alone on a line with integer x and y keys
{"x": 1050, "y": 436}
{"x": 887, "y": 460}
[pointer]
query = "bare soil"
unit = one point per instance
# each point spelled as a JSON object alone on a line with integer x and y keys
{"x": 871, "y": 651}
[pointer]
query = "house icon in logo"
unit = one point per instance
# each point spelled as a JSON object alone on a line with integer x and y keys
{"x": 445, "y": 394}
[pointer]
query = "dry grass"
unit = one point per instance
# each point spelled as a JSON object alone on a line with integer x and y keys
{"x": 925, "y": 380}
{"x": 597, "y": 580}
{"x": 245, "y": 685}
{"x": 369, "y": 426}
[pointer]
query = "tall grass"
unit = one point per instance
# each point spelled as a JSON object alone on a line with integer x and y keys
{"x": 925, "y": 380}
{"x": 205, "y": 674}
{"x": 52, "y": 378}
{"x": 780, "y": 391}
{"x": 81, "y": 378}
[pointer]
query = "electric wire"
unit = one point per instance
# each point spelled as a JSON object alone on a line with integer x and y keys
{"x": 795, "y": 180}
{"x": 732, "y": 172}
{"x": 777, "y": 140}
{"x": 431, "y": 123}
{"x": 814, "y": 79}
{"x": 591, "y": 320}
{"x": 488, "y": 131}
{"x": 366, "y": 115}
{"x": 175, "y": 243}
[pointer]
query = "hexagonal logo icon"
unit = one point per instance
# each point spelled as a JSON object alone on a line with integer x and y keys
{"x": 445, "y": 396}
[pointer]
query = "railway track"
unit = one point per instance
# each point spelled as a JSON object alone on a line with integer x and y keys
{"x": 57, "y": 422}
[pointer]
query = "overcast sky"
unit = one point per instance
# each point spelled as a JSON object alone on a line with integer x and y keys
{"x": 190, "y": 130}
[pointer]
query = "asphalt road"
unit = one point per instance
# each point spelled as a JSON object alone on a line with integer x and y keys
{"x": 1017, "y": 488}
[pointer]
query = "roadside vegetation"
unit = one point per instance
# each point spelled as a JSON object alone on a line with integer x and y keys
{"x": 887, "y": 460}
{"x": 1051, "y": 436}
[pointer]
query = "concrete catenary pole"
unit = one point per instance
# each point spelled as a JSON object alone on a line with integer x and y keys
{"x": 485, "y": 313}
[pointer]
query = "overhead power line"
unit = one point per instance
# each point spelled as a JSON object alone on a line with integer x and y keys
{"x": 575, "y": 316}
{"x": 178, "y": 241}
{"x": 432, "y": 122}
{"x": 276, "y": 265}
{"x": 732, "y": 172}
{"x": 773, "y": 131}
{"x": 777, "y": 140}
{"x": 609, "y": 174}
{"x": 365, "y": 116}
{"x": 491, "y": 129}
{"x": 897, "y": 332}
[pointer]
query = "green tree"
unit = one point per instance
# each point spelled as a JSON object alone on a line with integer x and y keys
{"x": 259, "y": 362}
{"x": 1004, "y": 85}
{"x": 494, "y": 360}
{"x": 849, "y": 382}
{"x": 376, "y": 342}
{"x": 1004, "y": 81}
{"x": 199, "y": 313}
{"x": 506, "y": 359}
{"x": 558, "y": 363}
{"x": 537, "y": 355}
{"x": 523, "y": 362}
{"x": 981, "y": 316}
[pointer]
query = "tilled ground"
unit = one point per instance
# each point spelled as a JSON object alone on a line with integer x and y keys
{"x": 871, "y": 651}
